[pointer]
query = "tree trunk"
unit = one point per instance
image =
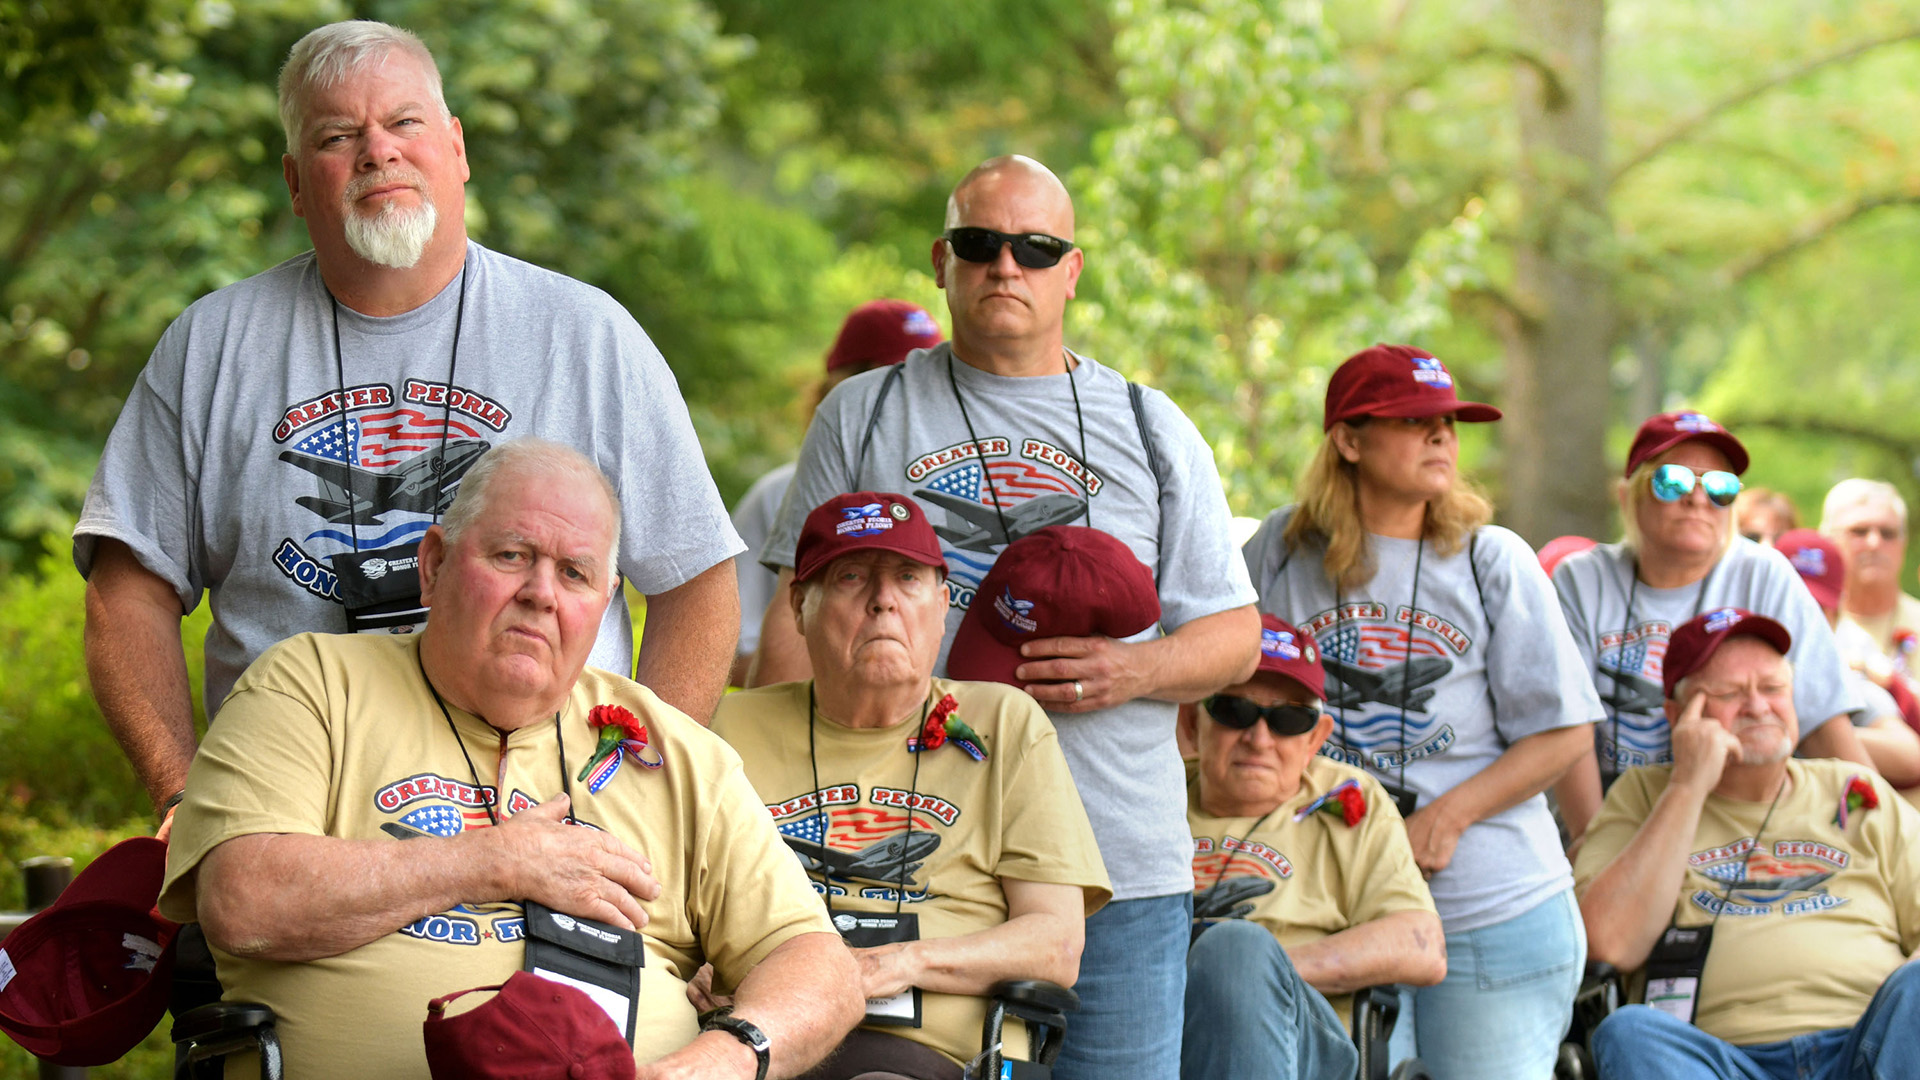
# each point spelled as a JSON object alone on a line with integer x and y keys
{"x": 1558, "y": 345}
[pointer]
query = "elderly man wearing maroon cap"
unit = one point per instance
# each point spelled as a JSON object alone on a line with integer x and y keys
{"x": 936, "y": 818}
{"x": 1305, "y": 888}
{"x": 997, "y": 435}
{"x": 1768, "y": 905}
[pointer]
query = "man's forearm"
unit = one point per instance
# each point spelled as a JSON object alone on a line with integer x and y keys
{"x": 1205, "y": 654}
{"x": 1835, "y": 739}
{"x": 1630, "y": 901}
{"x": 1031, "y": 946}
{"x": 688, "y": 641}
{"x": 1894, "y": 748}
{"x": 1403, "y": 947}
{"x": 805, "y": 995}
{"x": 782, "y": 656}
{"x": 138, "y": 669}
{"x": 1578, "y": 793}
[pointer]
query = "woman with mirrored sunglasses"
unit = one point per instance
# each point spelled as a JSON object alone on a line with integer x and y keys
{"x": 1681, "y": 555}
{"x": 1453, "y": 681}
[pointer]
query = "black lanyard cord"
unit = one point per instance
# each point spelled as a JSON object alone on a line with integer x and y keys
{"x": 1727, "y": 896}
{"x": 980, "y": 452}
{"x": 1626, "y": 629}
{"x": 1406, "y": 665}
{"x": 820, "y": 810}
{"x": 566, "y": 787}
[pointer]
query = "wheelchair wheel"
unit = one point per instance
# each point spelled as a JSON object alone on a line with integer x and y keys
{"x": 1574, "y": 1064}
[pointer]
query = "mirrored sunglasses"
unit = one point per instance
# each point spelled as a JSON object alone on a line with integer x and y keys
{"x": 1240, "y": 714}
{"x": 1671, "y": 483}
{"x": 1036, "y": 251}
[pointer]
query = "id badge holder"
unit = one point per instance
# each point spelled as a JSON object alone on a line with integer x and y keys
{"x": 381, "y": 589}
{"x": 864, "y": 930}
{"x": 1405, "y": 799}
{"x": 599, "y": 959}
{"x": 1673, "y": 970}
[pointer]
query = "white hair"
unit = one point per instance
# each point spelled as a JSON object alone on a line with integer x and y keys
{"x": 1858, "y": 490}
{"x": 326, "y": 56}
{"x": 530, "y": 454}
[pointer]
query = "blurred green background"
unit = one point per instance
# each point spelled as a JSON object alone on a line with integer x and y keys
{"x": 1590, "y": 213}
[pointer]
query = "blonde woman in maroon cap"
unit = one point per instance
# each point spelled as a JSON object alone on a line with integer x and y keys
{"x": 1681, "y": 556}
{"x": 1452, "y": 681}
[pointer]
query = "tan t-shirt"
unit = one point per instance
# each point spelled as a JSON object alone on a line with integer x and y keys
{"x": 1817, "y": 917}
{"x": 339, "y": 735}
{"x": 1308, "y": 879}
{"x": 1014, "y": 815}
{"x": 1905, "y": 615}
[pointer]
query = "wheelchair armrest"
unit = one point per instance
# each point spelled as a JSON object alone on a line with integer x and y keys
{"x": 1376, "y": 1009}
{"x": 1022, "y": 995}
{"x": 1043, "y": 1006}
{"x": 220, "y": 1020}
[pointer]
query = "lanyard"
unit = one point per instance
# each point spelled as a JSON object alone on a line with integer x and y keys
{"x": 1406, "y": 663}
{"x": 1748, "y": 857}
{"x": 980, "y": 454}
{"x": 1613, "y": 695}
{"x": 1227, "y": 857}
{"x": 566, "y": 785}
{"x": 820, "y": 811}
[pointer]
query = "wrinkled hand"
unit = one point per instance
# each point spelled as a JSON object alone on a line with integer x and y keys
{"x": 1109, "y": 672}
{"x": 700, "y": 991}
{"x": 1434, "y": 831}
{"x": 579, "y": 871}
{"x": 885, "y": 970}
{"x": 1702, "y": 749}
{"x": 166, "y": 825}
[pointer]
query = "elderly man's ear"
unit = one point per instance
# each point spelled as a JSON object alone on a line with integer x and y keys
{"x": 433, "y": 555}
{"x": 796, "y": 599}
{"x": 1186, "y": 730}
{"x": 1317, "y": 738}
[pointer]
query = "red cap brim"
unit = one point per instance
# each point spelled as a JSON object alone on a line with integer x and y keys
{"x": 1419, "y": 408}
{"x": 1722, "y": 441}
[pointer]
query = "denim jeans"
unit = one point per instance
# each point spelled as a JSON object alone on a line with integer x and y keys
{"x": 1250, "y": 1016}
{"x": 1504, "y": 1005}
{"x": 1883, "y": 1045}
{"x": 1133, "y": 981}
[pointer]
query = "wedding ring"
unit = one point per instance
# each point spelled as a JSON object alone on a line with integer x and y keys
{"x": 1078, "y": 692}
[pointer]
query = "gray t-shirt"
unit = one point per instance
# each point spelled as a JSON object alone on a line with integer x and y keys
{"x": 239, "y": 467}
{"x": 1625, "y": 654}
{"x": 1481, "y": 667}
{"x": 1125, "y": 761}
{"x": 753, "y": 519}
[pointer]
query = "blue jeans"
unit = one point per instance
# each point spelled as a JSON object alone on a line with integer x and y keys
{"x": 1250, "y": 1016}
{"x": 1883, "y": 1045}
{"x": 1504, "y": 1005}
{"x": 1133, "y": 980}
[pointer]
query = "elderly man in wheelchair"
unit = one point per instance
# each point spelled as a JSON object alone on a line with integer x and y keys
{"x": 377, "y": 821}
{"x": 936, "y": 819}
{"x": 1306, "y": 890}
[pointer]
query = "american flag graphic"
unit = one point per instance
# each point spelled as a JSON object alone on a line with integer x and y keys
{"x": 851, "y": 828}
{"x": 445, "y": 819}
{"x": 1373, "y": 646}
{"x": 374, "y": 440}
{"x": 1646, "y": 656}
{"x": 1012, "y": 481}
{"x": 1218, "y": 865}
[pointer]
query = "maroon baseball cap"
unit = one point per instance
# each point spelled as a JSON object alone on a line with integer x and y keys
{"x": 882, "y": 332}
{"x": 84, "y": 981}
{"x": 533, "y": 1029}
{"x": 1691, "y": 646}
{"x": 865, "y": 521}
{"x": 1397, "y": 381}
{"x": 1559, "y": 548}
{"x": 1667, "y": 430}
{"x": 1062, "y": 581}
{"x": 1285, "y": 650}
{"x": 1819, "y": 563}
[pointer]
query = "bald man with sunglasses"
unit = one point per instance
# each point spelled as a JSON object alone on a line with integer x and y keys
{"x": 997, "y": 434}
{"x": 1305, "y": 886}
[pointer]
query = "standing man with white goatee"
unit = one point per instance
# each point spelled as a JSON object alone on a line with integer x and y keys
{"x": 294, "y": 435}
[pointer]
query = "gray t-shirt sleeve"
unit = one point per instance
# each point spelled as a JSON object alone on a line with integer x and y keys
{"x": 1199, "y": 572}
{"x": 1876, "y": 702}
{"x": 1820, "y": 690}
{"x": 1573, "y": 589}
{"x": 1538, "y": 676}
{"x": 825, "y": 466}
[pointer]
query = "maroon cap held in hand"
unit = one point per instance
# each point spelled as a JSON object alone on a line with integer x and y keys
{"x": 1665, "y": 431}
{"x": 1285, "y": 650}
{"x": 1691, "y": 646}
{"x": 865, "y": 521}
{"x": 533, "y": 1029}
{"x": 1819, "y": 563}
{"x": 84, "y": 981}
{"x": 882, "y": 332}
{"x": 1399, "y": 382}
{"x": 1062, "y": 581}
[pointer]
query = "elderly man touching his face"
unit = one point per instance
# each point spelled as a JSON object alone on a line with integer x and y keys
{"x": 1305, "y": 884}
{"x": 378, "y": 821}
{"x": 936, "y": 819}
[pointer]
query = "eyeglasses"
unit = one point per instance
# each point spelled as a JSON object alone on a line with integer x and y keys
{"x": 1240, "y": 714}
{"x": 1671, "y": 483}
{"x": 1035, "y": 251}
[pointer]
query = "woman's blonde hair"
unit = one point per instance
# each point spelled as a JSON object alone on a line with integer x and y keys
{"x": 1634, "y": 492}
{"x": 1329, "y": 511}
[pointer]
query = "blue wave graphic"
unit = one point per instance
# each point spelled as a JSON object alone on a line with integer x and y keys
{"x": 372, "y": 543}
{"x": 1382, "y": 730}
{"x": 976, "y": 562}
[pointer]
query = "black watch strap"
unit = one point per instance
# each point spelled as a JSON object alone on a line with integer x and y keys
{"x": 752, "y": 1036}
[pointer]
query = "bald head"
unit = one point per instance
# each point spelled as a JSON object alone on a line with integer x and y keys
{"x": 1012, "y": 178}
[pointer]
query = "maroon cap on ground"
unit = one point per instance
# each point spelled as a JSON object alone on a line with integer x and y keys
{"x": 1285, "y": 650}
{"x": 533, "y": 1029}
{"x": 1819, "y": 563}
{"x": 1559, "y": 548}
{"x": 865, "y": 521}
{"x": 1691, "y": 646}
{"x": 1665, "y": 431}
{"x": 882, "y": 332}
{"x": 1062, "y": 581}
{"x": 84, "y": 981}
{"x": 1397, "y": 381}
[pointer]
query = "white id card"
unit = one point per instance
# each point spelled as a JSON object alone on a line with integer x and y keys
{"x": 618, "y": 1007}
{"x": 896, "y": 1009}
{"x": 1675, "y": 996}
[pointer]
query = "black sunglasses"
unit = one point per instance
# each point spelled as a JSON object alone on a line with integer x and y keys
{"x": 1035, "y": 251}
{"x": 1240, "y": 714}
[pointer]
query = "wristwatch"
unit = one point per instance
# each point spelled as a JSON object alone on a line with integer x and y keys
{"x": 753, "y": 1037}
